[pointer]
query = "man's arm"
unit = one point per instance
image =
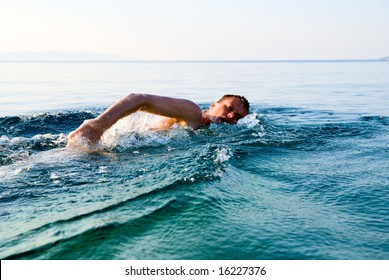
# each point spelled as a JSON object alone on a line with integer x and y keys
{"x": 183, "y": 111}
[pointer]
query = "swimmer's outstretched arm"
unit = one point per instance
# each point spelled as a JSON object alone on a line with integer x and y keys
{"x": 182, "y": 110}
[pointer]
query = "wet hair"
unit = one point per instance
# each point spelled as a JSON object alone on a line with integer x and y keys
{"x": 241, "y": 98}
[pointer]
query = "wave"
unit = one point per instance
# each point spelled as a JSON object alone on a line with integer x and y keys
{"x": 61, "y": 231}
{"x": 68, "y": 195}
{"x": 43, "y": 123}
{"x": 23, "y": 136}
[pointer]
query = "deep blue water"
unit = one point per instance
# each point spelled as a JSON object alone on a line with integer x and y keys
{"x": 304, "y": 176}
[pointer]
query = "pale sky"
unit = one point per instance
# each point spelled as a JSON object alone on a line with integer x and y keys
{"x": 199, "y": 29}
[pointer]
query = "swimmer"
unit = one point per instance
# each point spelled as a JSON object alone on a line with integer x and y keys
{"x": 229, "y": 109}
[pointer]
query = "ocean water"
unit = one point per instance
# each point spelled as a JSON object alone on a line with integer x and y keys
{"x": 303, "y": 176}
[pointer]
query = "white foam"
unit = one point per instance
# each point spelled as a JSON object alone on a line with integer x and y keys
{"x": 16, "y": 141}
{"x": 102, "y": 169}
{"x": 54, "y": 176}
{"x": 222, "y": 154}
{"x": 250, "y": 120}
{"x": 4, "y": 139}
{"x": 138, "y": 130}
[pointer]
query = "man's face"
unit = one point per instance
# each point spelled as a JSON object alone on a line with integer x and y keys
{"x": 228, "y": 110}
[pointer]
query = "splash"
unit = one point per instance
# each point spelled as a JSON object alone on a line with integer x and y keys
{"x": 138, "y": 130}
{"x": 250, "y": 121}
{"x": 222, "y": 154}
{"x": 19, "y": 148}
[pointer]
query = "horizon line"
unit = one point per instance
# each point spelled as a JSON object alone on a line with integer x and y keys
{"x": 188, "y": 60}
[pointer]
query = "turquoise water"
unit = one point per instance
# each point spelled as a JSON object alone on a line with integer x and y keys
{"x": 303, "y": 176}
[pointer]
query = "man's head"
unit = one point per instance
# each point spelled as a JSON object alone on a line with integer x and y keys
{"x": 230, "y": 108}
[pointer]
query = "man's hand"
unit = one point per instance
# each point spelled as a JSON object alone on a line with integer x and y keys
{"x": 88, "y": 133}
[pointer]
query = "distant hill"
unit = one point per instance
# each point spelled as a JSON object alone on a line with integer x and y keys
{"x": 59, "y": 56}
{"x": 385, "y": 58}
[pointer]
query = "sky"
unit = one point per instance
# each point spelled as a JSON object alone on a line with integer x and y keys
{"x": 199, "y": 29}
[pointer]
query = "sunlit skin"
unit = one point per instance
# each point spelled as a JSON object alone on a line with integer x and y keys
{"x": 184, "y": 112}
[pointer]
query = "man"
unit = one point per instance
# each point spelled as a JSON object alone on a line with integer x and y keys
{"x": 229, "y": 109}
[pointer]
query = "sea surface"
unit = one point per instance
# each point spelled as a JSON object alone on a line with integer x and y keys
{"x": 304, "y": 176}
